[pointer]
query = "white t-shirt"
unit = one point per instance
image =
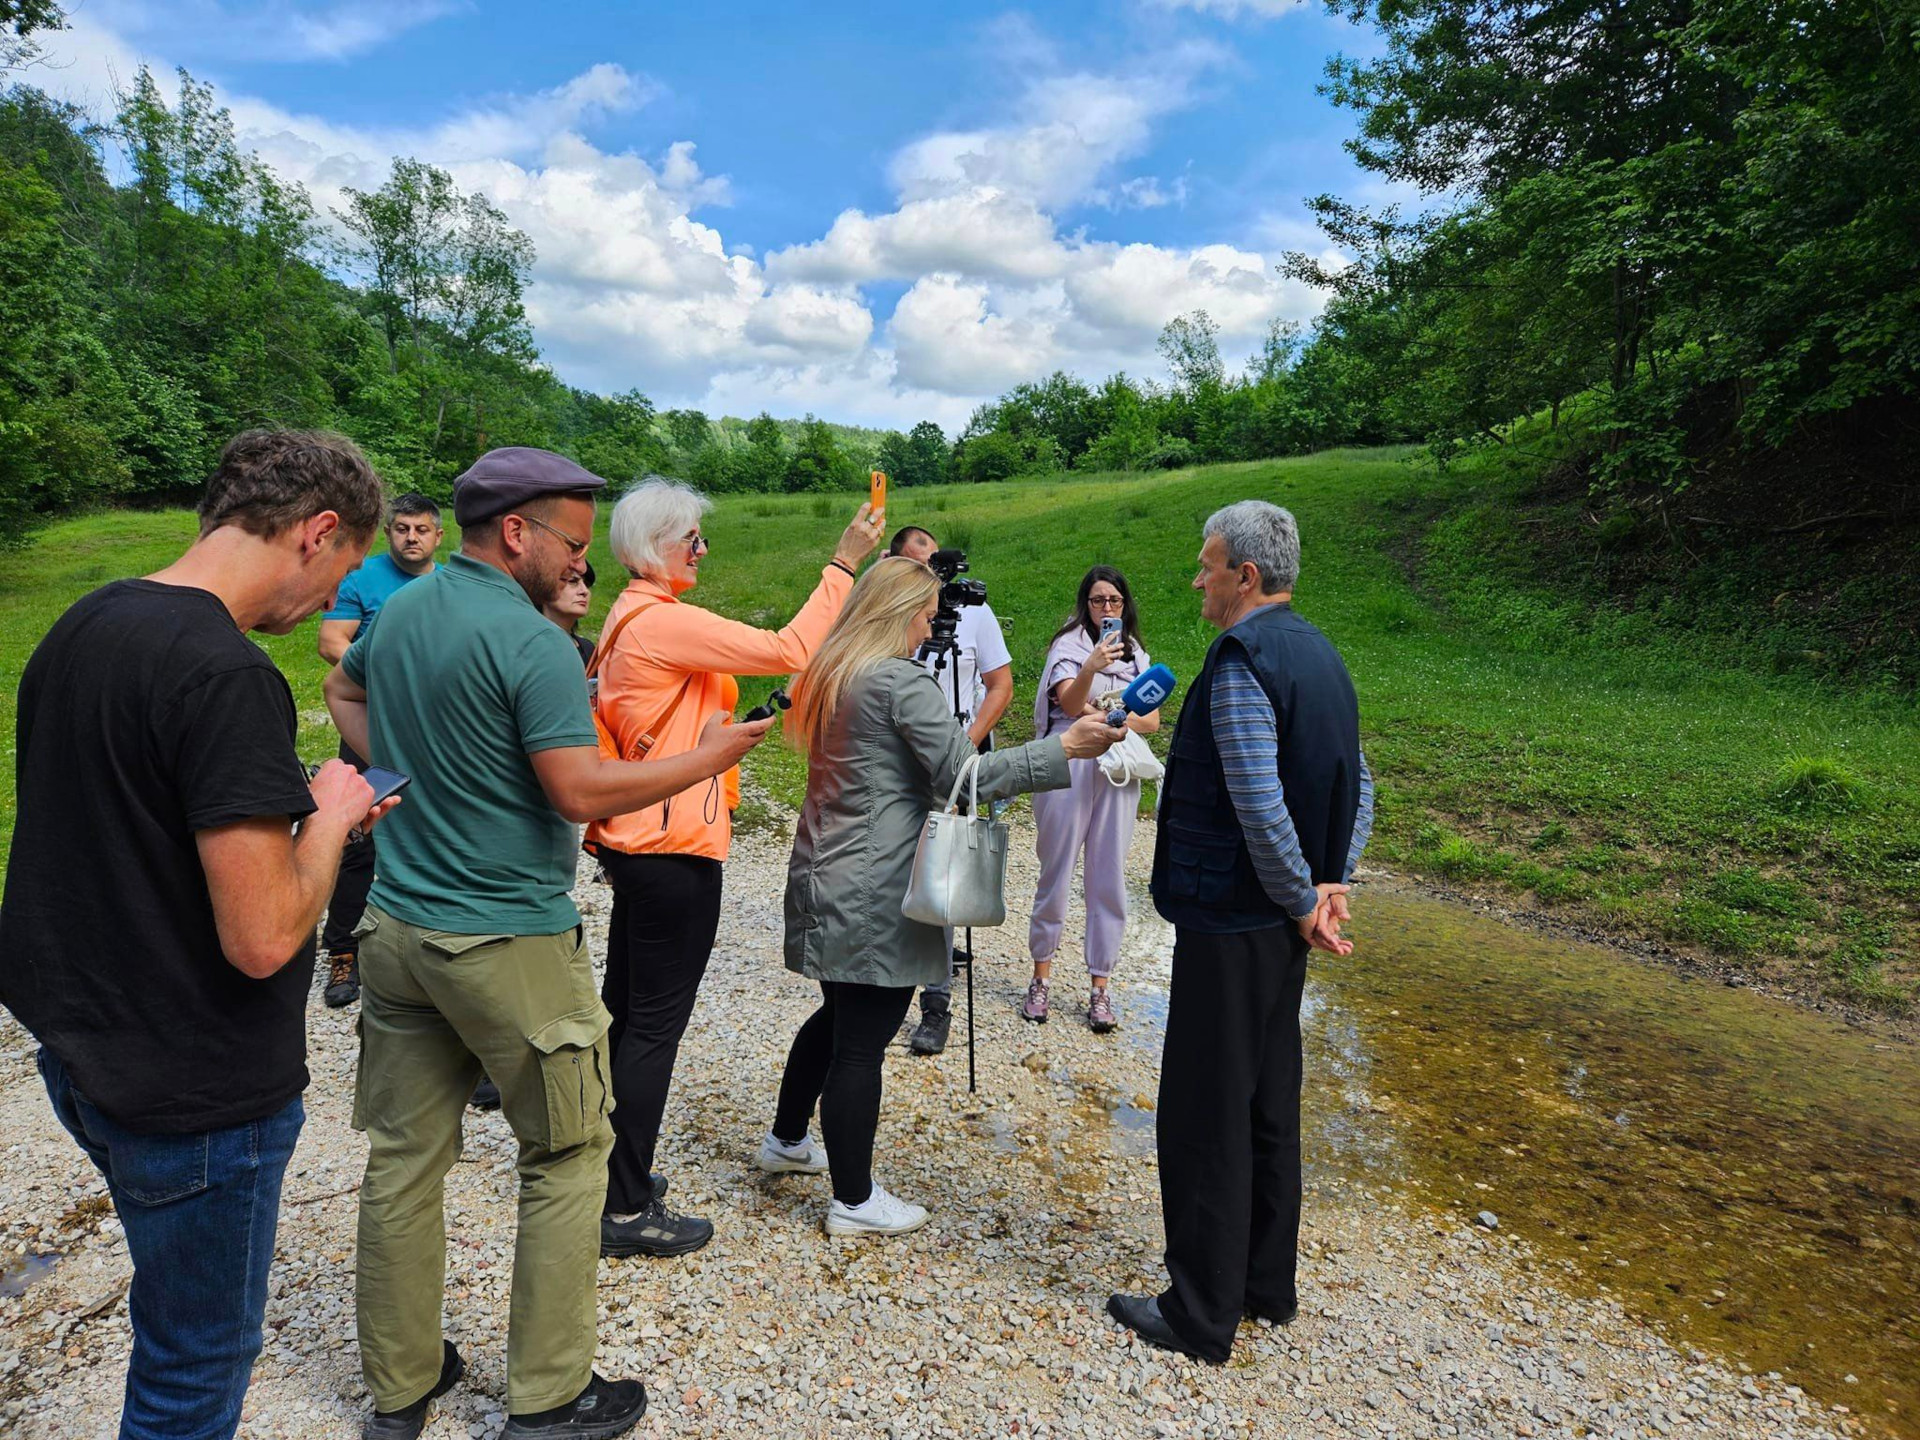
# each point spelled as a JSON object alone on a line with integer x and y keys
{"x": 982, "y": 648}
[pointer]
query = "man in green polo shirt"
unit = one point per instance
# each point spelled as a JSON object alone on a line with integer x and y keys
{"x": 471, "y": 951}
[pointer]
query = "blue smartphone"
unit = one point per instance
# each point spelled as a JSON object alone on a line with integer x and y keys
{"x": 1110, "y": 626}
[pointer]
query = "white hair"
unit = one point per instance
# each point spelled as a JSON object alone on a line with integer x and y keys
{"x": 650, "y": 519}
{"x": 1261, "y": 533}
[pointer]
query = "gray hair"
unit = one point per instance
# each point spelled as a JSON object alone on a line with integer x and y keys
{"x": 1263, "y": 535}
{"x": 649, "y": 519}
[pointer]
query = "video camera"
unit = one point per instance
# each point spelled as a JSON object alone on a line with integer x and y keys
{"x": 955, "y": 592}
{"x": 955, "y": 596}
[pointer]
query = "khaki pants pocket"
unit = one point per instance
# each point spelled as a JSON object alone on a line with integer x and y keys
{"x": 449, "y": 946}
{"x": 576, "y": 1072}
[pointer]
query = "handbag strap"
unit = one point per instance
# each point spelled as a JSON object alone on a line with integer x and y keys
{"x": 969, "y": 775}
{"x": 608, "y": 638}
{"x": 648, "y": 738}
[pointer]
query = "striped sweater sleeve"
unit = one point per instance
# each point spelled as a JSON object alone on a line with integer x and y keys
{"x": 1362, "y": 821}
{"x": 1247, "y": 738}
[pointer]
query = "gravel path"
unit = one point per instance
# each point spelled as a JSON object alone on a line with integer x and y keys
{"x": 989, "y": 1321}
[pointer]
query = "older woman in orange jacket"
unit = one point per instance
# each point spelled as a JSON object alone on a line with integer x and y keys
{"x": 663, "y": 667}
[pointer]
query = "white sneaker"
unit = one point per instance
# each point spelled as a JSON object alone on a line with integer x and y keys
{"x": 809, "y": 1157}
{"x": 879, "y": 1214}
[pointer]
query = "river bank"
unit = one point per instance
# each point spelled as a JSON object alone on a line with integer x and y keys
{"x": 1415, "y": 1322}
{"x": 1795, "y": 992}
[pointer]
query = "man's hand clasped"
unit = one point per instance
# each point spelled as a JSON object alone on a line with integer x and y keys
{"x": 1321, "y": 929}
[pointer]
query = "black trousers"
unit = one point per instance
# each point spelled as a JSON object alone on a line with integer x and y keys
{"x": 666, "y": 911}
{"x": 1229, "y": 1131}
{"x": 835, "y": 1061}
{"x": 350, "y": 889}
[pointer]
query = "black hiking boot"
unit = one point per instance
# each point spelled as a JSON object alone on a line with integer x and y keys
{"x": 604, "y": 1409}
{"x": 408, "y": 1423}
{"x": 655, "y": 1231}
{"x": 930, "y": 1035}
{"x": 343, "y": 979}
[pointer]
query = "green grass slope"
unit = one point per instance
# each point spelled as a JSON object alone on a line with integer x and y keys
{"x": 1613, "y": 777}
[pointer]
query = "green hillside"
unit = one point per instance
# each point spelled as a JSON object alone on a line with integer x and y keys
{"x": 1606, "y": 772}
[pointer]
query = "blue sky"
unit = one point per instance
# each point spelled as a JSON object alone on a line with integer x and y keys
{"x": 870, "y": 212}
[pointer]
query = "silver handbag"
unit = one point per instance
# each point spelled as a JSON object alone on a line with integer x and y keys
{"x": 960, "y": 867}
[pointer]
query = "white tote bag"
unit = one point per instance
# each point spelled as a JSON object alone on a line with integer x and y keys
{"x": 1132, "y": 759}
{"x": 960, "y": 867}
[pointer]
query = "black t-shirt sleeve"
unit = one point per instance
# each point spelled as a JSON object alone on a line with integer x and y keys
{"x": 232, "y": 742}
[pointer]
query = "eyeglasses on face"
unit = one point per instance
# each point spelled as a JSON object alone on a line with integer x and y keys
{"x": 1106, "y": 602}
{"x": 695, "y": 542}
{"x": 575, "y": 548}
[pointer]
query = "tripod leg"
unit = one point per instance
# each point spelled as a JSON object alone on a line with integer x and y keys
{"x": 971, "y": 1085}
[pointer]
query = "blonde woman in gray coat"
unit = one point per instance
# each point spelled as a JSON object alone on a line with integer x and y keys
{"x": 882, "y": 750}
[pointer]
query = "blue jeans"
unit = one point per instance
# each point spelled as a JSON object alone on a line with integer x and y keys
{"x": 200, "y": 1213}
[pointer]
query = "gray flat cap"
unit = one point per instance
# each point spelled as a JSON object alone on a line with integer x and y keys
{"x": 513, "y": 475}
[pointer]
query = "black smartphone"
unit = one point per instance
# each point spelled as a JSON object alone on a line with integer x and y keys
{"x": 386, "y": 783}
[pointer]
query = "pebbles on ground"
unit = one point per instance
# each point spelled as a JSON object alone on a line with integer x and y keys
{"x": 989, "y": 1320}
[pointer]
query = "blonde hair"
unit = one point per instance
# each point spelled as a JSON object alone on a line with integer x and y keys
{"x": 649, "y": 521}
{"x": 875, "y": 626}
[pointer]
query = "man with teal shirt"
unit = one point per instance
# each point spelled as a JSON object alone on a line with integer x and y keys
{"x": 472, "y": 952}
{"x": 413, "y": 534}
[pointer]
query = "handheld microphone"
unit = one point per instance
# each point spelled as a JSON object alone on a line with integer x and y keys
{"x": 1147, "y": 693}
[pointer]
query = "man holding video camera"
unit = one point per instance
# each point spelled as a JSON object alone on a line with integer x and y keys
{"x": 978, "y": 678}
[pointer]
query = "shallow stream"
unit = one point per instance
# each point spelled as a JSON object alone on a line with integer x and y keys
{"x": 1744, "y": 1172}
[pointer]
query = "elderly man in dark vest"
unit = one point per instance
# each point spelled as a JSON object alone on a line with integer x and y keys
{"x": 1265, "y": 808}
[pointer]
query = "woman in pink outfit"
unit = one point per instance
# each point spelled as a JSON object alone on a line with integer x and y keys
{"x": 1093, "y": 821}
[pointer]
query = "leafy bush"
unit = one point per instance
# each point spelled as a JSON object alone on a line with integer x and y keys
{"x": 1173, "y": 453}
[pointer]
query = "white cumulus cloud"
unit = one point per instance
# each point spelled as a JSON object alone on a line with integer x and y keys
{"x": 636, "y": 285}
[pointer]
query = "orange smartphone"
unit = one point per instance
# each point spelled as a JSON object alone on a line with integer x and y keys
{"x": 876, "y": 492}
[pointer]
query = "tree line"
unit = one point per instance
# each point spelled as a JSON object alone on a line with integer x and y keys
{"x": 144, "y": 320}
{"x": 1693, "y": 224}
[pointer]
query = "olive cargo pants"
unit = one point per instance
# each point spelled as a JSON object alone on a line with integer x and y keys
{"x": 434, "y": 1009}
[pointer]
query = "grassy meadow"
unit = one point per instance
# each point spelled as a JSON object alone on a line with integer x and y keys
{"x": 1615, "y": 774}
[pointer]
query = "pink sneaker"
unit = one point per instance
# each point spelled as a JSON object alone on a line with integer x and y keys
{"x": 1100, "y": 1016}
{"x": 1034, "y": 1007}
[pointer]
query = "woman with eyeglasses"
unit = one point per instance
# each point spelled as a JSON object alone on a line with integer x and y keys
{"x": 1089, "y": 663}
{"x": 663, "y": 666}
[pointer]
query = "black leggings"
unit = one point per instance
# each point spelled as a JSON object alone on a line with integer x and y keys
{"x": 666, "y": 911}
{"x": 835, "y": 1060}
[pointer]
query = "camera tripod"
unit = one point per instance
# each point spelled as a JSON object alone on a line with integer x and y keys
{"x": 944, "y": 649}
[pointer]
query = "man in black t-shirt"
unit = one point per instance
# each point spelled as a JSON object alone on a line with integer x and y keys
{"x": 158, "y": 889}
